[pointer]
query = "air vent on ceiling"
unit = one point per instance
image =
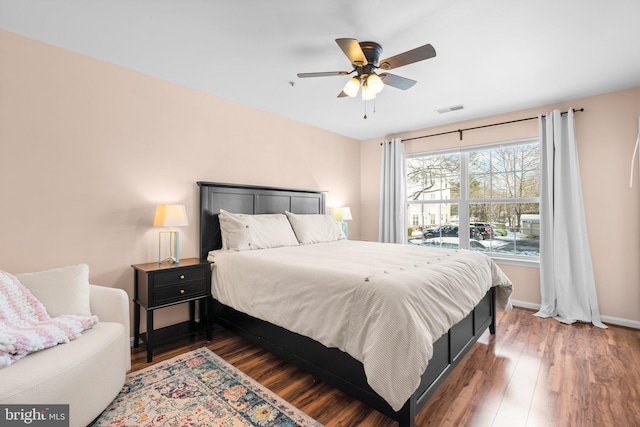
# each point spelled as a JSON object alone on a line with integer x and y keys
{"x": 450, "y": 109}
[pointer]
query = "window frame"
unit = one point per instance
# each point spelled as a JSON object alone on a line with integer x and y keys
{"x": 464, "y": 200}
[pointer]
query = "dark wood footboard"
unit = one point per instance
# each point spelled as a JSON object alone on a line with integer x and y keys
{"x": 347, "y": 374}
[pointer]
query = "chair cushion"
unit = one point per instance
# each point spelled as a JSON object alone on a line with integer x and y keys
{"x": 86, "y": 373}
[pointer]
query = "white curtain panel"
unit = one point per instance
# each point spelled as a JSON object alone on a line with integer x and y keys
{"x": 393, "y": 199}
{"x": 633, "y": 157}
{"x": 567, "y": 283}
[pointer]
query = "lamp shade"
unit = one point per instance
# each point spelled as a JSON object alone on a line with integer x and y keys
{"x": 352, "y": 86}
{"x": 170, "y": 216}
{"x": 346, "y": 214}
{"x": 374, "y": 82}
{"x": 367, "y": 92}
{"x": 342, "y": 214}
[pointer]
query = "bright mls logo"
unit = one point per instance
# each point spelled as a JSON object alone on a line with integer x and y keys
{"x": 34, "y": 415}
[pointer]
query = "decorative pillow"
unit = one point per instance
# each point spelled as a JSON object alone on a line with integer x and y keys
{"x": 61, "y": 290}
{"x": 315, "y": 228}
{"x": 242, "y": 232}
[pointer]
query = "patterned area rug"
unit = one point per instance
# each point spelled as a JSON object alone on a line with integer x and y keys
{"x": 198, "y": 389}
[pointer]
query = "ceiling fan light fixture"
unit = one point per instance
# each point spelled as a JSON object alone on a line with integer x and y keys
{"x": 367, "y": 92}
{"x": 365, "y": 57}
{"x": 374, "y": 82}
{"x": 352, "y": 86}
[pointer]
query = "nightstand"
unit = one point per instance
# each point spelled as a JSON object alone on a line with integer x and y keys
{"x": 159, "y": 285}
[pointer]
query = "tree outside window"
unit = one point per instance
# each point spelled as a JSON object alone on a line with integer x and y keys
{"x": 493, "y": 189}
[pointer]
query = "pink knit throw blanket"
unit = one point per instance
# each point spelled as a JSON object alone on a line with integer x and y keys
{"x": 26, "y": 327}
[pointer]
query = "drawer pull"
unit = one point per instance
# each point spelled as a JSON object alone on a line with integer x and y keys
{"x": 182, "y": 276}
{"x": 181, "y": 291}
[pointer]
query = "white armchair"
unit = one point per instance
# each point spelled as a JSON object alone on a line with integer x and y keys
{"x": 86, "y": 373}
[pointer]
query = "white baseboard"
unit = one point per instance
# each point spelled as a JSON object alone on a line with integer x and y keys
{"x": 605, "y": 319}
{"x": 525, "y": 304}
{"x": 621, "y": 322}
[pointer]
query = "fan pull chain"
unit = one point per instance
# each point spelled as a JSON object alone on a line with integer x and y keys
{"x": 365, "y": 107}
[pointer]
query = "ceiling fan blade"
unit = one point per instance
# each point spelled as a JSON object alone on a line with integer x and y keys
{"x": 342, "y": 94}
{"x": 397, "y": 81}
{"x": 354, "y": 52}
{"x": 409, "y": 57}
{"x": 324, "y": 74}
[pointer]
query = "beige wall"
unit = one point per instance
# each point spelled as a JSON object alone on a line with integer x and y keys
{"x": 87, "y": 149}
{"x": 606, "y": 134}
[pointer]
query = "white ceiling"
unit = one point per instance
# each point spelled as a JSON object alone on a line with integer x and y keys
{"x": 492, "y": 56}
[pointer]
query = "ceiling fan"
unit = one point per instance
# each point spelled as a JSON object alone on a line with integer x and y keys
{"x": 365, "y": 58}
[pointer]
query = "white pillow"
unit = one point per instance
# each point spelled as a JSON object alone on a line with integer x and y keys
{"x": 61, "y": 290}
{"x": 242, "y": 232}
{"x": 315, "y": 228}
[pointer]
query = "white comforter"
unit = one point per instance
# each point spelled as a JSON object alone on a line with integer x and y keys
{"x": 384, "y": 304}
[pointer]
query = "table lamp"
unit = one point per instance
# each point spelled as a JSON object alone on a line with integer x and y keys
{"x": 341, "y": 215}
{"x": 170, "y": 216}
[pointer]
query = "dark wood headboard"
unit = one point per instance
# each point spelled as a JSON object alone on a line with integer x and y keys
{"x": 249, "y": 199}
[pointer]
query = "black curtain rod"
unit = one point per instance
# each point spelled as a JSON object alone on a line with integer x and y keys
{"x": 459, "y": 131}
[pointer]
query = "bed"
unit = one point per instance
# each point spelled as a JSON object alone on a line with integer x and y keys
{"x": 330, "y": 358}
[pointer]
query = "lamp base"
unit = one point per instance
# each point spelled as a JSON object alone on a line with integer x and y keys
{"x": 172, "y": 241}
{"x": 345, "y": 229}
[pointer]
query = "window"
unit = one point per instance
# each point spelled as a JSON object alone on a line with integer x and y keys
{"x": 494, "y": 189}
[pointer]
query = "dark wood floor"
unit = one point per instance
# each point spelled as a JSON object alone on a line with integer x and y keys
{"x": 533, "y": 372}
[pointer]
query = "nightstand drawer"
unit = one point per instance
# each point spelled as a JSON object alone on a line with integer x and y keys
{"x": 180, "y": 291}
{"x": 179, "y": 276}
